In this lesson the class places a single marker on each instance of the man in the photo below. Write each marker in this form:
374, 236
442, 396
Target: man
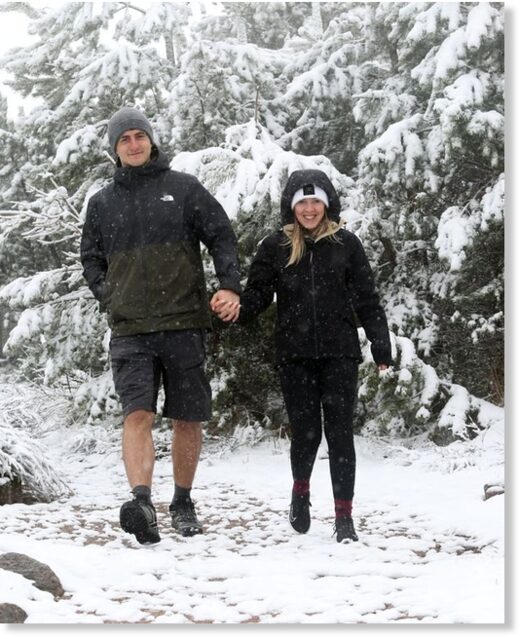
140, 251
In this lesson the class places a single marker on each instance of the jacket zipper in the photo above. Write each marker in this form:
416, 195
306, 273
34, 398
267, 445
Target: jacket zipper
143, 261
313, 295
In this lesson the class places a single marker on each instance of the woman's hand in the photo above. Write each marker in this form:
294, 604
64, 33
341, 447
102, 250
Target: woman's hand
384, 370
226, 304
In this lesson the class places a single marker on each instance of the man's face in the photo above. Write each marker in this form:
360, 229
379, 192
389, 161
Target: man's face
134, 148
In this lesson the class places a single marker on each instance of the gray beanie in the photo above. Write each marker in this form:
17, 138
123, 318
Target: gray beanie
125, 119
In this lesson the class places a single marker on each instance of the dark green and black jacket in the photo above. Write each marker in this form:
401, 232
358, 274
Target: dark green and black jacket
140, 249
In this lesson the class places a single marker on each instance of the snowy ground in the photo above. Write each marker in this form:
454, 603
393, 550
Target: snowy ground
431, 550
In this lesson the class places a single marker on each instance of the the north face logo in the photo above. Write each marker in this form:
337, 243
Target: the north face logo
167, 198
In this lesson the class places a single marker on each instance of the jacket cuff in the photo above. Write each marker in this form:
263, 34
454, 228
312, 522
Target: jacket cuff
381, 355
231, 285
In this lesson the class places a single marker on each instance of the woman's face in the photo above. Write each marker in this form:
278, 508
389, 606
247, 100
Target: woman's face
309, 213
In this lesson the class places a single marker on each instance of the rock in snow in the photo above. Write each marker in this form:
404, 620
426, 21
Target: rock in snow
40, 574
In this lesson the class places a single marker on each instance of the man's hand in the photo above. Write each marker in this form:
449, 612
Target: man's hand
226, 304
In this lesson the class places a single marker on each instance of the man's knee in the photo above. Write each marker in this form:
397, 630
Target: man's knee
185, 426
139, 420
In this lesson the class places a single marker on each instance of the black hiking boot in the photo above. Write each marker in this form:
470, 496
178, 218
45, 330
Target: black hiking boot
184, 518
139, 518
345, 531
299, 515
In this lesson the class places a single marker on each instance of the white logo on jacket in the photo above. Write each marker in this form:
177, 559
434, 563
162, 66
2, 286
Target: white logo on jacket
167, 198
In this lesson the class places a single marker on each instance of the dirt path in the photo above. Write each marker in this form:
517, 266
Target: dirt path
249, 566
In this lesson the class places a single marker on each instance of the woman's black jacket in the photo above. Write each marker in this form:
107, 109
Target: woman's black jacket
318, 299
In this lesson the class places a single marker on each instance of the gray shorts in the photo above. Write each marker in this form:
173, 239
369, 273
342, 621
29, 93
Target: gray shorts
140, 363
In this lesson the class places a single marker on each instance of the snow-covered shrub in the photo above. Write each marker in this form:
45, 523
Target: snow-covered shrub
245, 387
100, 439
409, 399
249, 432
95, 398
24, 463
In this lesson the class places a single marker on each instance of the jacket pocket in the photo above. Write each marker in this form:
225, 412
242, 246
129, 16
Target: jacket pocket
176, 280
125, 290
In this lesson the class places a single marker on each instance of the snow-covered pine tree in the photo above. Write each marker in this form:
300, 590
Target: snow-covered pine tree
268, 24
83, 66
408, 71
321, 76
432, 165
9, 263
221, 84
471, 298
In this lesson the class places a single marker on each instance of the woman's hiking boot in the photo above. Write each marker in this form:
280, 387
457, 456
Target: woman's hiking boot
299, 515
345, 531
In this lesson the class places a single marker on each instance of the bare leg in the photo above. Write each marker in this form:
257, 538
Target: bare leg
138, 449
186, 446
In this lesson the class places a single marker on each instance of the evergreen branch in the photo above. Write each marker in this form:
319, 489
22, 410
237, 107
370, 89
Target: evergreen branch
107, 155
485, 168
71, 208
46, 242
20, 7
129, 5
79, 294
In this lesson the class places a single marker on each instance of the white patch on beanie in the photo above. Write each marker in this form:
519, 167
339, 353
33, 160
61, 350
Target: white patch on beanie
310, 191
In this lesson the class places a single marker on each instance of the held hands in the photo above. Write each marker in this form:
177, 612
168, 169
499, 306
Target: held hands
226, 304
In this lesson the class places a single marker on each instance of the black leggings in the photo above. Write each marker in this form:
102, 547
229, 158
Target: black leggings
308, 386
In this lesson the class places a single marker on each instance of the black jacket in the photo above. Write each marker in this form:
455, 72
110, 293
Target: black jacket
319, 298
140, 249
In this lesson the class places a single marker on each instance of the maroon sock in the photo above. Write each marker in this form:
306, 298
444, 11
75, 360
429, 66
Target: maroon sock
301, 487
343, 508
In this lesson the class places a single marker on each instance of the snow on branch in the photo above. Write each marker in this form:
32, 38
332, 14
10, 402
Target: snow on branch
483, 23
57, 340
454, 233
458, 226
95, 399
24, 292
23, 460
251, 169
51, 218
82, 142
395, 155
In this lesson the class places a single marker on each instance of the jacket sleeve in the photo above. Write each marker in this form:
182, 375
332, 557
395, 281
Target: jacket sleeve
261, 285
212, 226
368, 307
92, 253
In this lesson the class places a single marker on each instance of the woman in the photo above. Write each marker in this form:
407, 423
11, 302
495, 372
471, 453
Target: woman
323, 283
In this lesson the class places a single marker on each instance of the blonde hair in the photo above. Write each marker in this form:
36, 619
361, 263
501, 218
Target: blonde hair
296, 237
